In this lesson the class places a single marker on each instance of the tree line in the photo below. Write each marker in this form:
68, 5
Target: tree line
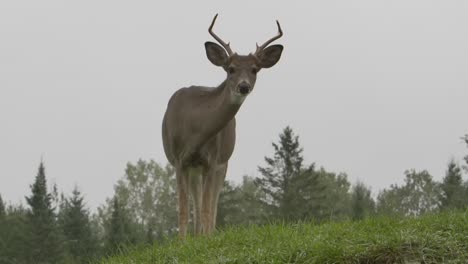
59, 228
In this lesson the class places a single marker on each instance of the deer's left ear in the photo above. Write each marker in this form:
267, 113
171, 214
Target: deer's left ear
270, 56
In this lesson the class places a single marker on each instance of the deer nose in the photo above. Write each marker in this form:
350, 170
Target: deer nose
244, 88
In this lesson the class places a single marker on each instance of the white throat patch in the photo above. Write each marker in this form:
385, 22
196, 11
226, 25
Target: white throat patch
237, 98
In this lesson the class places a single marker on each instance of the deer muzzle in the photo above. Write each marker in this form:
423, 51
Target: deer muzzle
244, 88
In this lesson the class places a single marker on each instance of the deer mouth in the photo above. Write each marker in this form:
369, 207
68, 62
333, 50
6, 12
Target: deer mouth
237, 97
241, 95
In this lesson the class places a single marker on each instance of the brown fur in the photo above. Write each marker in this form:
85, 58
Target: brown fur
199, 133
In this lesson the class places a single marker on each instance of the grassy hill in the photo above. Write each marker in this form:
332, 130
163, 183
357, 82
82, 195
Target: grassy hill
440, 238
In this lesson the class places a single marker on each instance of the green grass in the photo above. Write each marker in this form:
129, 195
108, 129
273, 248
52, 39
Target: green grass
439, 238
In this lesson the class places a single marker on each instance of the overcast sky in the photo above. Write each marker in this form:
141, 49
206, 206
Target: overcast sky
371, 87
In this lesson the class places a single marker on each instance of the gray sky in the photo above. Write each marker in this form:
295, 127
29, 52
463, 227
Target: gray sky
372, 87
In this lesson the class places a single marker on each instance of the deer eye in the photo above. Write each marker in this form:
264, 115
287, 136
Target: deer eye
231, 70
254, 70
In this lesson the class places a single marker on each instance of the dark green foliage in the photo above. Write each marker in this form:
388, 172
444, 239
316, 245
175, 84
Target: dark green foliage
434, 238
465, 138
335, 203
80, 240
143, 211
291, 190
45, 244
418, 196
421, 193
150, 237
2, 208
453, 191
119, 230
14, 236
147, 192
389, 201
227, 204
241, 204
279, 174
362, 204
308, 195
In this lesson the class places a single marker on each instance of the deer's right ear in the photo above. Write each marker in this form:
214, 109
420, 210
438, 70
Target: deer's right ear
216, 54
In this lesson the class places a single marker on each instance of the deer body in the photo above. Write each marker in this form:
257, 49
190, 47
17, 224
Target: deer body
210, 118
199, 134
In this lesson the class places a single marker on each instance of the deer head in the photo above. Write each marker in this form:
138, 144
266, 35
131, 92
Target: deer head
242, 69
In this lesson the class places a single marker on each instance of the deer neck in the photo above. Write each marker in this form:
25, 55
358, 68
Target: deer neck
221, 111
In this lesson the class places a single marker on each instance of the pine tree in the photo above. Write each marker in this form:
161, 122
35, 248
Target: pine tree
150, 237
278, 174
289, 187
2, 208
452, 188
465, 138
14, 236
119, 231
389, 201
148, 192
81, 242
45, 244
241, 204
361, 202
228, 204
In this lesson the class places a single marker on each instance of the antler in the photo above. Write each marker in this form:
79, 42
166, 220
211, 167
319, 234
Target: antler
280, 34
225, 45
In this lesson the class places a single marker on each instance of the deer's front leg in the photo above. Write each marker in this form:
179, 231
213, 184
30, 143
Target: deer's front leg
209, 187
220, 176
183, 199
196, 183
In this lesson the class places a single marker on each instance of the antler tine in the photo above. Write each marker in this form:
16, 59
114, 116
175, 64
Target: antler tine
224, 44
280, 34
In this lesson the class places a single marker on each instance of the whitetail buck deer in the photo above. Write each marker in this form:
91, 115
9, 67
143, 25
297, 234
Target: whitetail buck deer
199, 129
